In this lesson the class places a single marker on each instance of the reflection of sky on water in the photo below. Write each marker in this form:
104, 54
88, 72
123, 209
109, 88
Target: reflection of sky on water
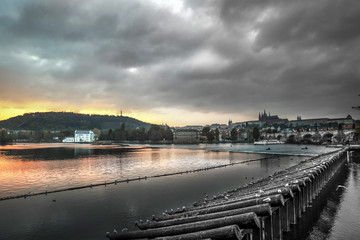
347, 224
89, 213
38, 167
283, 149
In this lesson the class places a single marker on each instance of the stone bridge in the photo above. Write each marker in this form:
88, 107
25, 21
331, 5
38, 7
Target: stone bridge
330, 136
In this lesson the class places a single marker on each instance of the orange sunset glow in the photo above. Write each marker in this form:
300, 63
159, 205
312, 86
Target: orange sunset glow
170, 116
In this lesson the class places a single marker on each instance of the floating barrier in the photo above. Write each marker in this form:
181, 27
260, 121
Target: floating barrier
128, 180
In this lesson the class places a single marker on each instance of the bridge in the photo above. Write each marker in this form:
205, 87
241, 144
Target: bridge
268, 208
329, 136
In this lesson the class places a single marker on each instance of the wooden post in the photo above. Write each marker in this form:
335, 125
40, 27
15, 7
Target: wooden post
259, 210
268, 228
274, 200
310, 191
228, 232
304, 198
292, 208
285, 212
249, 220
276, 223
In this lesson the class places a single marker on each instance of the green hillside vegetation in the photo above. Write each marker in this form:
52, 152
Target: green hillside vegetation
5, 137
67, 121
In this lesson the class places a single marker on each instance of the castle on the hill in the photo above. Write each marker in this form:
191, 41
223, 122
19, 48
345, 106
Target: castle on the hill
264, 117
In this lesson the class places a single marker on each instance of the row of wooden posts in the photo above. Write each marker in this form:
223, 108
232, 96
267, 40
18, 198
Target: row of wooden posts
263, 209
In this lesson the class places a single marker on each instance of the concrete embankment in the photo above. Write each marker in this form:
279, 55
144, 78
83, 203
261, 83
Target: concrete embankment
263, 209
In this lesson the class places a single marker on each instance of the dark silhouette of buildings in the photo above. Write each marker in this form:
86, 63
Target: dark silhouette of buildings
264, 117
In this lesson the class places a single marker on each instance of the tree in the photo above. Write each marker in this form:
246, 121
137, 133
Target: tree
217, 132
256, 133
156, 133
61, 136
122, 133
97, 132
206, 130
223, 136
234, 134
110, 135
141, 134
210, 136
168, 134
5, 138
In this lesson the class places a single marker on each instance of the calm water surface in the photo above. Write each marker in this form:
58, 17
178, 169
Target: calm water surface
347, 217
89, 213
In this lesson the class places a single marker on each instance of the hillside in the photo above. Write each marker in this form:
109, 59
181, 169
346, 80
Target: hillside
55, 121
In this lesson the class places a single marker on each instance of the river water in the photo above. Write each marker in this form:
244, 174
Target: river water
89, 213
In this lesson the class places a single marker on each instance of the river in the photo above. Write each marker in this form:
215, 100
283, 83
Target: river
89, 213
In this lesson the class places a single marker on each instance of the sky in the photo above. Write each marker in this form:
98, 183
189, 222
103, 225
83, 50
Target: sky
181, 62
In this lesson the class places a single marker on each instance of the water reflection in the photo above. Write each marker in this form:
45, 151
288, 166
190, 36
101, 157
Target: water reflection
282, 149
89, 213
346, 225
38, 167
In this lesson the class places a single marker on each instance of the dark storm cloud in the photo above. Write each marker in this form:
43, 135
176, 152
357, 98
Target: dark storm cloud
291, 57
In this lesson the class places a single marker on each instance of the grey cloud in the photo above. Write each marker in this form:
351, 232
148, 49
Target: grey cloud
304, 58
312, 24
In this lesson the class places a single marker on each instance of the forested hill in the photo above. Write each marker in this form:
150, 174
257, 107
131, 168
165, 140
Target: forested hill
53, 121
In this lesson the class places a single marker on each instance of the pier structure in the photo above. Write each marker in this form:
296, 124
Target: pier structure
267, 208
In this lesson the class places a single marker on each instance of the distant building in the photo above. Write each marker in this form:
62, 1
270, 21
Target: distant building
215, 126
248, 124
264, 117
84, 136
348, 121
196, 127
322, 122
184, 136
68, 140
267, 118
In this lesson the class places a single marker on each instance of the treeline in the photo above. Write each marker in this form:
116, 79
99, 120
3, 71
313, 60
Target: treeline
155, 133
214, 135
5, 137
40, 136
61, 121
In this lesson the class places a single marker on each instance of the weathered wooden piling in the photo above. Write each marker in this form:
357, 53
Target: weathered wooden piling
228, 232
274, 200
267, 207
247, 221
259, 210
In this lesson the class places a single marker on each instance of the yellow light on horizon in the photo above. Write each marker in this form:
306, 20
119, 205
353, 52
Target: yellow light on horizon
170, 116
